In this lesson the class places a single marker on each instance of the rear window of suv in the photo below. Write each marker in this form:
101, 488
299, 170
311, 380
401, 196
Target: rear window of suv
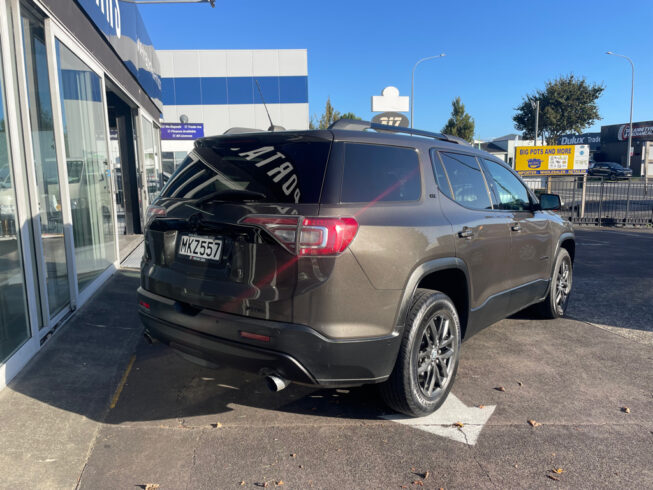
375, 173
283, 167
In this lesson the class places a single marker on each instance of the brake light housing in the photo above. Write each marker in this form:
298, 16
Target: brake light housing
308, 236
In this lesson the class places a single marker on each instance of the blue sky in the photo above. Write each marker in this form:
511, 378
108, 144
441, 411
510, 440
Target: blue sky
496, 51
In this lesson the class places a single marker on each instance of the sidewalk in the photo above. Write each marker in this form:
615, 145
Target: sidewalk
50, 413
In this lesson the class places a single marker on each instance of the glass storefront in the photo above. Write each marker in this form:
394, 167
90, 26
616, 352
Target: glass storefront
14, 325
87, 162
48, 193
58, 189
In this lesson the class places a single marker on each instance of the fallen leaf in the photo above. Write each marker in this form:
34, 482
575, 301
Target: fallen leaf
557, 470
533, 423
419, 483
293, 455
426, 475
279, 483
553, 477
404, 486
242, 483
500, 388
216, 426
151, 486
413, 469
459, 424
301, 466
520, 383
481, 406
625, 409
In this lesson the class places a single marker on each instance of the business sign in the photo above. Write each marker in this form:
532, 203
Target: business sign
619, 132
591, 139
390, 100
391, 119
123, 27
552, 160
181, 131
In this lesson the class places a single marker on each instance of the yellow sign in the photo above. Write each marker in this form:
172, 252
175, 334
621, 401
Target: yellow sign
552, 160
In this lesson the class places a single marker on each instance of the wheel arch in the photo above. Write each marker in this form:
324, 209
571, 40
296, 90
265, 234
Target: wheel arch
447, 275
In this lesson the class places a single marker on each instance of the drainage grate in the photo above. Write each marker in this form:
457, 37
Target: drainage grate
133, 260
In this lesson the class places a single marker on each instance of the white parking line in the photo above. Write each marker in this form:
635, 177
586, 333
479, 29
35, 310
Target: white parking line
453, 420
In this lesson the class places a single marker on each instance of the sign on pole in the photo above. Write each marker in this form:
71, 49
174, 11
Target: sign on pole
552, 160
391, 119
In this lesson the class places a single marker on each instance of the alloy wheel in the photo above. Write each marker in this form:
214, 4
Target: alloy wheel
436, 356
563, 285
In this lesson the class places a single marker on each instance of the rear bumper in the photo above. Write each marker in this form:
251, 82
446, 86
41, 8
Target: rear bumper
296, 352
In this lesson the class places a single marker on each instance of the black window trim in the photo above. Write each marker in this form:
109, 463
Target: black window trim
481, 168
342, 176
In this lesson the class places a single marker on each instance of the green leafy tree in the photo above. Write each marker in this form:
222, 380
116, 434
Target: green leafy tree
567, 104
329, 116
460, 123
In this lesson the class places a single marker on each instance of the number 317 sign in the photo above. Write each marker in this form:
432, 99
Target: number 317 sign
391, 119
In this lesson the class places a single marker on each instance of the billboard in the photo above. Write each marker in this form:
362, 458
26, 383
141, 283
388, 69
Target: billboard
552, 160
591, 139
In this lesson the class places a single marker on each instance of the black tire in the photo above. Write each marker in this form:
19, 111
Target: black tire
613, 177
407, 391
554, 306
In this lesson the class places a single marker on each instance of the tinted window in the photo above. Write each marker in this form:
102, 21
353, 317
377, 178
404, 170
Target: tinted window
286, 168
380, 173
440, 175
467, 182
509, 191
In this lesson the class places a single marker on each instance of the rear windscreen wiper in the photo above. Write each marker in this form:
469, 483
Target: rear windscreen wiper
230, 195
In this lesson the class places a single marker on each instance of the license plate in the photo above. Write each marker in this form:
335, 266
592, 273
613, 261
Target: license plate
200, 247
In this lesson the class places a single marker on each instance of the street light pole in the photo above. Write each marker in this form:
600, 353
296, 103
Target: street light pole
536, 105
632, 93
412, 83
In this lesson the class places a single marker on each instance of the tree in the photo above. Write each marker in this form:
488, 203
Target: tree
329, 116
460, 123
567, 104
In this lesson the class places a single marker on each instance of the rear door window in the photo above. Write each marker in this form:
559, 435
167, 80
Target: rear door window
282, 168
509, 191
380, 173
467, 180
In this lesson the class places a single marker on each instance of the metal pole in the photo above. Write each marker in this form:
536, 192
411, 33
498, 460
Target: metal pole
537, 119
412, 84
632, 95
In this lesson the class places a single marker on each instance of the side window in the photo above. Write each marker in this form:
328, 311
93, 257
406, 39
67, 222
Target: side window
440, 175
380, 173
510, 192
467, 182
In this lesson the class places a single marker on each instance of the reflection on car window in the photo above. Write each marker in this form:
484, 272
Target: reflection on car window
440, 175
380, 173
509, 191
467, 182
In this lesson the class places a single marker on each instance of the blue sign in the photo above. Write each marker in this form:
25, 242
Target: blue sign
534, 163
180, 131
122, 25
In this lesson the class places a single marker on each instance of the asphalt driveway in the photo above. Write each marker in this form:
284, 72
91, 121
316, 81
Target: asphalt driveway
127, 414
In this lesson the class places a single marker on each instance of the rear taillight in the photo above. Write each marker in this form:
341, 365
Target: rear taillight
309, 236
154, 211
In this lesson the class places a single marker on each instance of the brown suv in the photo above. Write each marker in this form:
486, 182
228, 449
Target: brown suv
343, 257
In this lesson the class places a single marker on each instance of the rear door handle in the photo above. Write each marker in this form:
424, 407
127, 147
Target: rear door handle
466, 233
515, 227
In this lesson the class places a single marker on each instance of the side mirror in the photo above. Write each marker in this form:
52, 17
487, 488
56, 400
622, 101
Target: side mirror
550, 202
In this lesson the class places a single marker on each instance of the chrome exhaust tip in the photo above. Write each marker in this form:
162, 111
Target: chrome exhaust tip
276, 383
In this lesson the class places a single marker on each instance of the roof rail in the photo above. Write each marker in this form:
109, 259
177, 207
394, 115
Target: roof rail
357, 125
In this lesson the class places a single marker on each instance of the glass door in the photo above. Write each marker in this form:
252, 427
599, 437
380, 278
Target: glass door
51, 246
85, 145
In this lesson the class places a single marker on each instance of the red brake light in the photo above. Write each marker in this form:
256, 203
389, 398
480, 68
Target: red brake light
326, 236
317, 236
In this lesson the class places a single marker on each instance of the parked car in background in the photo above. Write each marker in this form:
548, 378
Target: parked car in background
343, 257
610, 170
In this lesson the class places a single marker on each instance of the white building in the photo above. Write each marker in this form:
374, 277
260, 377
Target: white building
218, 89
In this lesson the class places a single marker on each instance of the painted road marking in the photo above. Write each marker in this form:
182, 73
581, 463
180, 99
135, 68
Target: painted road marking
121, 385
442, 422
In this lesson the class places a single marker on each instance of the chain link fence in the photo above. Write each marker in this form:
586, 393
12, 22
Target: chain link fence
603, 202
